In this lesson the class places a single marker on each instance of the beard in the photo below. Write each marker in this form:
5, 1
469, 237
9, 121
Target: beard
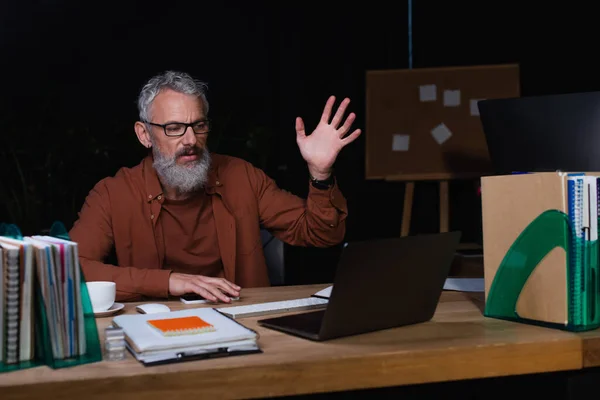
185, 179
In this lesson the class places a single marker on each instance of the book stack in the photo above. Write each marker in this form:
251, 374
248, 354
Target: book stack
191, 334
45, 311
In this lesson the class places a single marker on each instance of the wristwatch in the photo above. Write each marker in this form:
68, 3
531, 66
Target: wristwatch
324, 184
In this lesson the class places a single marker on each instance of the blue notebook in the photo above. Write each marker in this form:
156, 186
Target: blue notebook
583, 253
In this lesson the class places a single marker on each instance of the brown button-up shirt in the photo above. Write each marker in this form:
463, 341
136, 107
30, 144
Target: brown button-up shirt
124, 212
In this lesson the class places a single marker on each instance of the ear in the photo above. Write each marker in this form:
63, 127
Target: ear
142, 134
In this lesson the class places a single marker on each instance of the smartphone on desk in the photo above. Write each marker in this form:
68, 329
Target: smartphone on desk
194, 298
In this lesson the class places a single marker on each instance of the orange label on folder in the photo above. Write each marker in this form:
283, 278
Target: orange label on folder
181, 326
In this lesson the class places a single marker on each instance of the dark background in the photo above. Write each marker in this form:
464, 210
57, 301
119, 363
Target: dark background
72, 70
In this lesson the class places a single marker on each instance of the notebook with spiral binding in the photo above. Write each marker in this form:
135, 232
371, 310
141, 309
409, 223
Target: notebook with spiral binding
541, 249
185, 334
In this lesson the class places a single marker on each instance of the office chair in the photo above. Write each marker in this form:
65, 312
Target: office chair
273, 249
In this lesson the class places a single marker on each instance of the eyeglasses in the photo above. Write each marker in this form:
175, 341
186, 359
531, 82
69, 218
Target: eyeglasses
179, 128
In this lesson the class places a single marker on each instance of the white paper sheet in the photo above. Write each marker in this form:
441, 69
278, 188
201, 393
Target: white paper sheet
400, 142
428, 93
441, 133
465, 284
451, 98
325, 292
473, 107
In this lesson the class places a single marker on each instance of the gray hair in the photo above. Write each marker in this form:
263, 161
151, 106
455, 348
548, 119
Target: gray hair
177, 81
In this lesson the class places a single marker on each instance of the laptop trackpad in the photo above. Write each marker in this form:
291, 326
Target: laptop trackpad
308, 322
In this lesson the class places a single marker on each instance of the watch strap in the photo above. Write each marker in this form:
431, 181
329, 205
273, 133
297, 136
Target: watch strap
322, 184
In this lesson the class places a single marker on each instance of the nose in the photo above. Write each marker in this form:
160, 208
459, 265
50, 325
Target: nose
189, 137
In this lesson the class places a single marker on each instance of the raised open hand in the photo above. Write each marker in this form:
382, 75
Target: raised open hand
321, 148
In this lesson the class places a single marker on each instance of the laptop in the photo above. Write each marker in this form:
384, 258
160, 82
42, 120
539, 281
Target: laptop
379, 284
543, 133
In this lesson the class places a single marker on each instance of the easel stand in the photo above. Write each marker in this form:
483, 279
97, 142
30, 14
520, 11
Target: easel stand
444, 198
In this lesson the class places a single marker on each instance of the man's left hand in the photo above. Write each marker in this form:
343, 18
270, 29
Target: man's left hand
321, 148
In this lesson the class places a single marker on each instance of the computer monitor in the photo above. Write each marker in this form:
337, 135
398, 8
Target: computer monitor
543, 133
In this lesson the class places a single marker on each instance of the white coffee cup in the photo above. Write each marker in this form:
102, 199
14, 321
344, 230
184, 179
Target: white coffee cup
102, 294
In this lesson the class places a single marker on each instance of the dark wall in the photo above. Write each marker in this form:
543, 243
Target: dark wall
71, 72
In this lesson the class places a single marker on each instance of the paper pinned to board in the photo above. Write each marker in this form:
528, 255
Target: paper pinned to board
400, 142
441, 133
465, 284
473, 107
451, 98
428, 93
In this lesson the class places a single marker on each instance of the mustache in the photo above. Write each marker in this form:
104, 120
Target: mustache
189, 151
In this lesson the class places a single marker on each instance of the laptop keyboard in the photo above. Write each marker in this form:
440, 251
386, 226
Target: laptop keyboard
274, 307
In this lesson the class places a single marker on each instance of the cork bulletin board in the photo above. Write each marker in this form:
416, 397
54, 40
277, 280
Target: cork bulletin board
424, 123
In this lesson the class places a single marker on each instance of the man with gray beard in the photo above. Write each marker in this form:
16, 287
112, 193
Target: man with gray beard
188, 221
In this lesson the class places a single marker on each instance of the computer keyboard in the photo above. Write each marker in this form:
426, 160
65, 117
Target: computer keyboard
274, 307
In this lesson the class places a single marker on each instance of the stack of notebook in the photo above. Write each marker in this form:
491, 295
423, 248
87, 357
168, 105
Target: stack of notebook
582, 197
47, 266
185, 335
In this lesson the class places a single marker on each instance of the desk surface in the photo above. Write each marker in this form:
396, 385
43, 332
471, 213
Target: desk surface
458, 343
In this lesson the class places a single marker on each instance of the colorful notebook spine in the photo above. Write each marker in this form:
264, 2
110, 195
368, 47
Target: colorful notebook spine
582, 268
575, 259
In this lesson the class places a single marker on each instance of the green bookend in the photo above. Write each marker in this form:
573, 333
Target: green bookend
549, 230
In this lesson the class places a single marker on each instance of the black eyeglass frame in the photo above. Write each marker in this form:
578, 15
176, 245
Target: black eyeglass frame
186, 125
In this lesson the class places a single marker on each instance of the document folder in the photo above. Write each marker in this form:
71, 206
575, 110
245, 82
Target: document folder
152, 346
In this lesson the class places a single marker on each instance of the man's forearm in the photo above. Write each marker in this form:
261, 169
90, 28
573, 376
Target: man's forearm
132, 283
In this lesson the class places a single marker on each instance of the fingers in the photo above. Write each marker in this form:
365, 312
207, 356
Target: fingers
347, 124
217, 293
226, 286
327, 110
337, 118
206, 291
351, 137
300, 127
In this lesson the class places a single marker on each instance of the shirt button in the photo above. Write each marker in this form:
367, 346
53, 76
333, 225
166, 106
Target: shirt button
149, 196
331, 225
159, 197
152, 216
218, 183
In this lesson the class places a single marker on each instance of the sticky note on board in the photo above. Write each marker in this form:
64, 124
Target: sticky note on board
441, 133
451, 98
400, 142
474, 108
428, 93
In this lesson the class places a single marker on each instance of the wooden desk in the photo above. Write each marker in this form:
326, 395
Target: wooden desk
459, 343
591, 348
